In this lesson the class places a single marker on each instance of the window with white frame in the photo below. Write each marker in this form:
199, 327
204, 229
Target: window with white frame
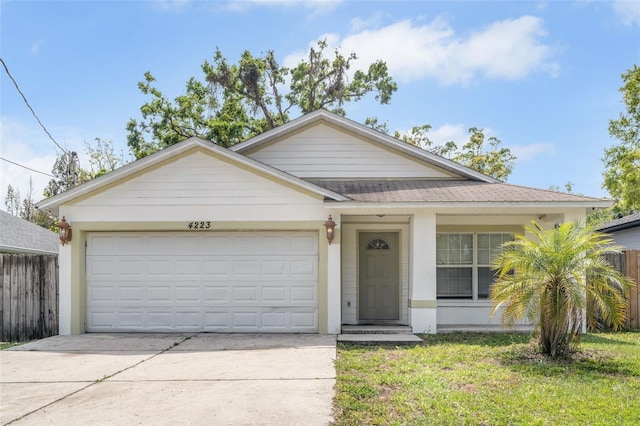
464, 263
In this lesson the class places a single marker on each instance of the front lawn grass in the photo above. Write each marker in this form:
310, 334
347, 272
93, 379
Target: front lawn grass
5, 345
490, 379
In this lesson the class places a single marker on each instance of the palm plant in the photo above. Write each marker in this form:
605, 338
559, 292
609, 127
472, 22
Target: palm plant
547, 277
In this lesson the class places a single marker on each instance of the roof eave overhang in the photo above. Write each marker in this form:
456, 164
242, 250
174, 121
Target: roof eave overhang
53, 203
621, 227
15, 249
468, 205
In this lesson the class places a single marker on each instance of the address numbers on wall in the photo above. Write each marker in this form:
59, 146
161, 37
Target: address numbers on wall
199, 225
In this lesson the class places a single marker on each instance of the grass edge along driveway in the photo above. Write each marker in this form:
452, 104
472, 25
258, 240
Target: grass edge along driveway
490, 379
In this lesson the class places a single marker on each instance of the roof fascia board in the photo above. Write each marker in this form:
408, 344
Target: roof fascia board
367, 133
468, 205
16, 249
621, 227
172, 151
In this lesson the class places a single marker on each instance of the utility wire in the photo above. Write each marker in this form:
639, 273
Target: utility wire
28, 168
31, 109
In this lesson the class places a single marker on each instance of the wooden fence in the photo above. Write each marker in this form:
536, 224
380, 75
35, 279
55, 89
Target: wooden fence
632, 258
628, 263
28, 296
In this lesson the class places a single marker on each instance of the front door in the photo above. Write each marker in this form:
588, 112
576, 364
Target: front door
379, 283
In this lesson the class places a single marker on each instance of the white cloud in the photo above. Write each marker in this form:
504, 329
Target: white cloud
510, 49
35, 48
449, 132
171, 5
317, 7
358, 23
527, 153
628, 12
460, 135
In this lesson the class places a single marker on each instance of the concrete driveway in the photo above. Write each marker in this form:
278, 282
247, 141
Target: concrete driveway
162, 379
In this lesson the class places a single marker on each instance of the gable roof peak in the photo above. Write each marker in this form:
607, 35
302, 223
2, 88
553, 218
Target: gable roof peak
365, 132
170, 152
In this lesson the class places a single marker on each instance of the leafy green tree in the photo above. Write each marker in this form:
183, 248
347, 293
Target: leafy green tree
242, 100
494, 161
103, 158
320, 82
12, 201
546, 279
622, 161
68, 172
25, 207
568, 188
418, 136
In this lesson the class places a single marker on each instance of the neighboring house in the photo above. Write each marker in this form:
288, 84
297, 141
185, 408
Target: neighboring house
20, 236
624, 230
197, 237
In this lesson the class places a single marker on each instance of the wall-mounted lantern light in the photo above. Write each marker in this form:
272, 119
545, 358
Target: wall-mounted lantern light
330, 225
64, 229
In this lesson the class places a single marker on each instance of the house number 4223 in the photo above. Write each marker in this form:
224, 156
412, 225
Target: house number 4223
199, 225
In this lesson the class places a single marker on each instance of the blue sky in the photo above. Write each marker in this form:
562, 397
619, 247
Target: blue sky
543, 77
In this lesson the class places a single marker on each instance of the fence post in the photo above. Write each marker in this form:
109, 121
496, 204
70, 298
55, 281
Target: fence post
632, 258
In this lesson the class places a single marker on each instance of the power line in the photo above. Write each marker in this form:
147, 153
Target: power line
31, 109
28, 168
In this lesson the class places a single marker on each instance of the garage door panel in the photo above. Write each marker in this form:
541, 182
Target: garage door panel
131, 244
102, 296
132, 294
305, 268
254, 281
244, 294
304, 320
275, 294
244, 268
188, 294
105, 244
216, 294
102, 320
216, 321
304, 244
303, 294
217, 268
187, 320
187, 267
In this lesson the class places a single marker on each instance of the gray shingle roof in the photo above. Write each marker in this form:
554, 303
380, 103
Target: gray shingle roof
624, 222
20, 236
444, 191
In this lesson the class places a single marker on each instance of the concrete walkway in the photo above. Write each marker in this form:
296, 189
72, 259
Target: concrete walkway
169, 379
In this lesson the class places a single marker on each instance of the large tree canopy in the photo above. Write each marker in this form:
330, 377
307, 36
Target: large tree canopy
622, 161
238, 101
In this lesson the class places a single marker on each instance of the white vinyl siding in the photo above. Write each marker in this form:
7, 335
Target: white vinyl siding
199, 179
628, 238
322, 151
202, 281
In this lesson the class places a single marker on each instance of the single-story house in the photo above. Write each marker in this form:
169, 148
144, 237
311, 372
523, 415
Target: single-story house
23, 237
624, 230
197, 237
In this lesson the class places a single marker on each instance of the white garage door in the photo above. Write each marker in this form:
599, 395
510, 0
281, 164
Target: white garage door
205, 281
